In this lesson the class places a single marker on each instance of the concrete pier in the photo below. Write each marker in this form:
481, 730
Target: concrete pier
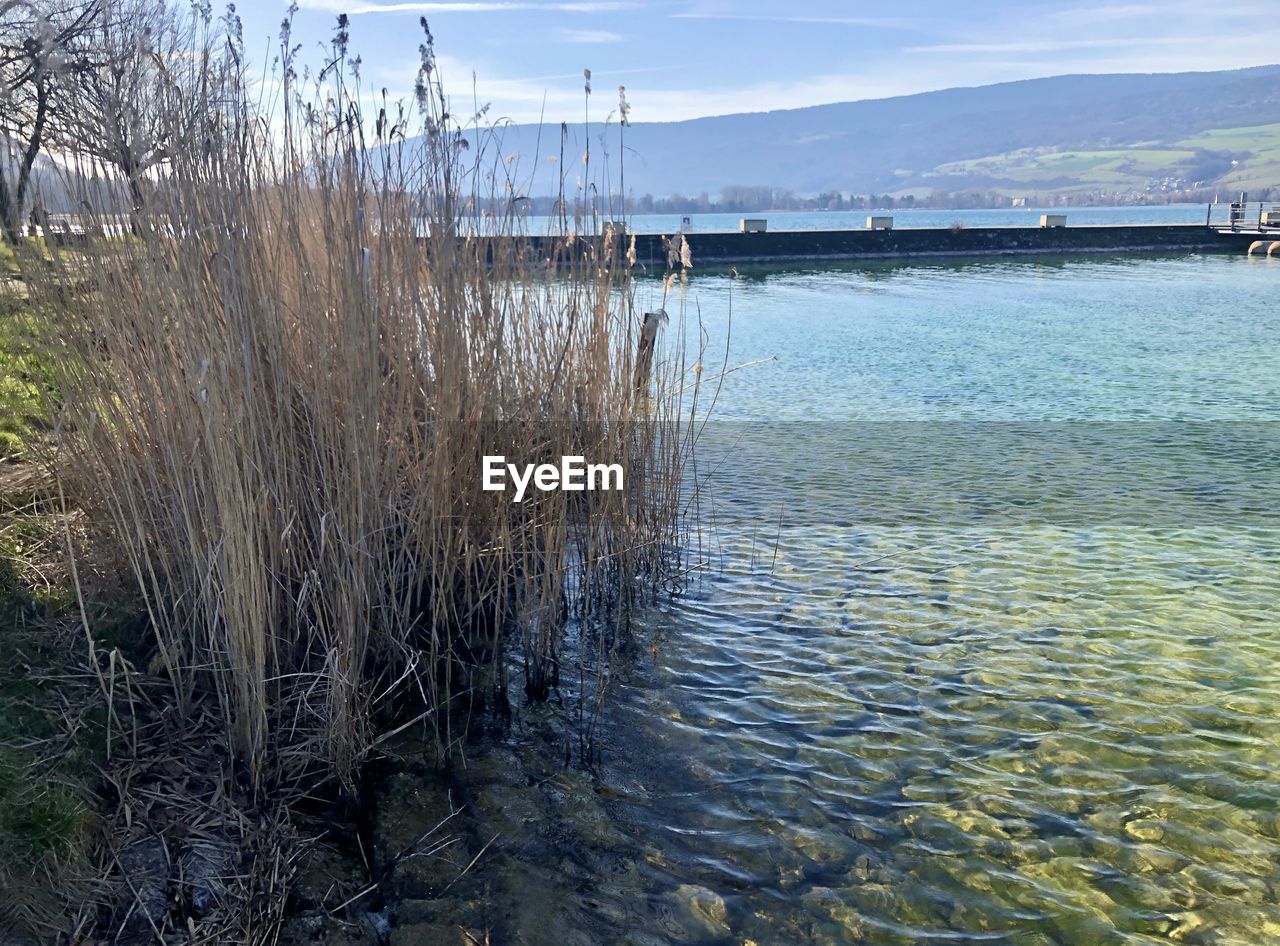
726, 249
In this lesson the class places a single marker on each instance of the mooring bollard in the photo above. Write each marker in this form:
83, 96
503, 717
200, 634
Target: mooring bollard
644, 352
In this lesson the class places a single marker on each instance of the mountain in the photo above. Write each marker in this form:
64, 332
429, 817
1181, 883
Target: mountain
1075, 132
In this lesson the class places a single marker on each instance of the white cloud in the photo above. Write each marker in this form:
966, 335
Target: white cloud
356, 7
872, 21
589, 36
1087, 16
555, 98
558, 98
1191, 31
1043, 45
1033, 43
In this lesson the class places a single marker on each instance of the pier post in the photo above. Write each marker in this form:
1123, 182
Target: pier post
644, 352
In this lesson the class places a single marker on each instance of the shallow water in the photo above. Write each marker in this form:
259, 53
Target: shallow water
985, 647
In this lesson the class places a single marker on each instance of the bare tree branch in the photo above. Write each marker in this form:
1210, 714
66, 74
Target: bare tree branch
36, 37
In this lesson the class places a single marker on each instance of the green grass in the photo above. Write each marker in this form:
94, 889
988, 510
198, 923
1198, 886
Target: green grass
1089, 170
1255, 138
1261, 145
48, 753
1257, 150
23, 383
9, 258
50, 734
43, 809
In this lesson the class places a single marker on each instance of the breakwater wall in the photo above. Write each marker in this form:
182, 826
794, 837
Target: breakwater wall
655, 251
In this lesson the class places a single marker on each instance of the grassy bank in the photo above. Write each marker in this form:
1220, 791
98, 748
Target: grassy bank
22, 379
51, 728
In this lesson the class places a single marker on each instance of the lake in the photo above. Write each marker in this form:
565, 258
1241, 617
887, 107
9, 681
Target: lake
983, 648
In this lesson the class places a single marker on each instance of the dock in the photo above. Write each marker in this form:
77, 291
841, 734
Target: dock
660, 252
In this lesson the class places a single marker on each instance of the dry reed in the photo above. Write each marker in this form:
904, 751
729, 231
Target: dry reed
278, 393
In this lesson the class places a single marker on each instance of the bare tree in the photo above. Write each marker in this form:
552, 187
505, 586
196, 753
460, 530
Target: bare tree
36, 37
123, 106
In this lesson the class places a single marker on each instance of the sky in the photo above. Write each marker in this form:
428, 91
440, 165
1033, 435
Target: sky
683, 59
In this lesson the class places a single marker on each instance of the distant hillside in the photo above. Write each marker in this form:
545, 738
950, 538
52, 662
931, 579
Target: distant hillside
1057, 135
59, 189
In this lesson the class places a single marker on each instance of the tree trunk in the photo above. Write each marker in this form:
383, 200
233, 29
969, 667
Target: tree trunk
9, 213
12, 204
136, 197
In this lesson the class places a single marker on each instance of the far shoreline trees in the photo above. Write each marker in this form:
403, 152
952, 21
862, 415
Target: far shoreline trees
763, 199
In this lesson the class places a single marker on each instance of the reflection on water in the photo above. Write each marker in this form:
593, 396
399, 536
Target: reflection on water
1023, 688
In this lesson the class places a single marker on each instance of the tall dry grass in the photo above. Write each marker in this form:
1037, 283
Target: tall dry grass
277, 395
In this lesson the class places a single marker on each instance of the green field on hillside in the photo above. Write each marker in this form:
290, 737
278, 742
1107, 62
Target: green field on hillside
1207, 156
1262, 143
